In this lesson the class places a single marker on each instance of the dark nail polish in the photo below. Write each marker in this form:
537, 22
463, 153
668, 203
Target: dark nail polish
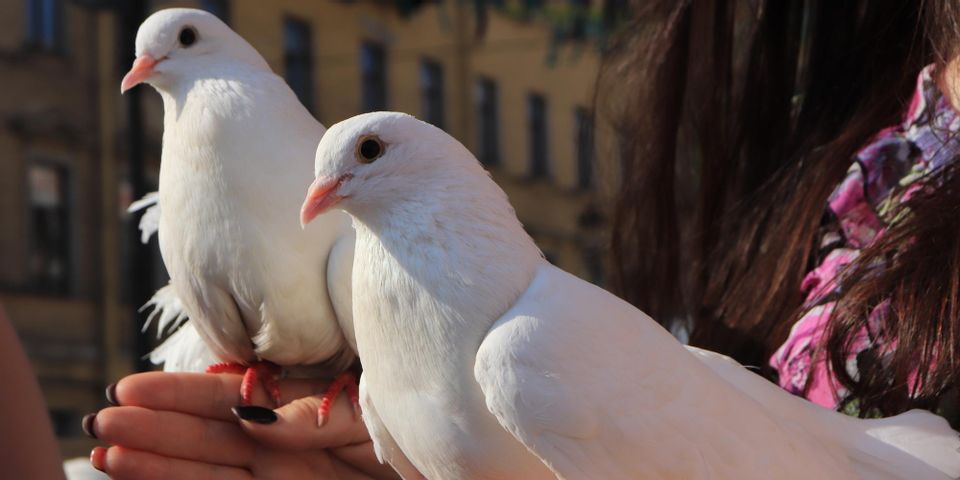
87, 424
112, 395
255, 414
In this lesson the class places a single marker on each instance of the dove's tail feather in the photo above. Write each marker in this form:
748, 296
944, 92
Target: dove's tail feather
895, 447
167, 309
150, 221
148, 200
922, 435
184, 351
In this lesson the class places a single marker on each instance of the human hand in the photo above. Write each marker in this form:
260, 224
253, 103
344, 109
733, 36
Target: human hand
179, 425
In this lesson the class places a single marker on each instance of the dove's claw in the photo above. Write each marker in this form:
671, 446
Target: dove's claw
272, 387
246, 386
263, 372
321, 417
346, 381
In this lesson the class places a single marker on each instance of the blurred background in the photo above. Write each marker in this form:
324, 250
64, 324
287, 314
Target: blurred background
512, 79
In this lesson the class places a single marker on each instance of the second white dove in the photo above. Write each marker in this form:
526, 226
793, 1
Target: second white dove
482, 360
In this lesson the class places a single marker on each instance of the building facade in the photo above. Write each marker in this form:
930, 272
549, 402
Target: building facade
516, 96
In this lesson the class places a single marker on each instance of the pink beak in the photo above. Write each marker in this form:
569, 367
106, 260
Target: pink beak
321, 196
141, 70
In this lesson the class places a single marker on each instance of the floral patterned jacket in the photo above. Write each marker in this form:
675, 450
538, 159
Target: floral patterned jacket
880, 177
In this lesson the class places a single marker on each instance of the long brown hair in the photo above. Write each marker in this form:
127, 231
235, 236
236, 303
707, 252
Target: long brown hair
735, 120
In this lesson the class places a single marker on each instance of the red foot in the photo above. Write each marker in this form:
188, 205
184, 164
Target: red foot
345, 381
265, 373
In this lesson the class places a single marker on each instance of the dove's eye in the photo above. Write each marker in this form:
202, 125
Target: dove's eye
369, 149
188, 36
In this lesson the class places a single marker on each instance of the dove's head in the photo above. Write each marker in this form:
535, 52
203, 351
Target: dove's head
178, 44
381, 158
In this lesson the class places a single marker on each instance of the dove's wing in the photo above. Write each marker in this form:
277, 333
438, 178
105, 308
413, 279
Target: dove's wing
917, 433
552, 372
384, 445
150, 220
215, 315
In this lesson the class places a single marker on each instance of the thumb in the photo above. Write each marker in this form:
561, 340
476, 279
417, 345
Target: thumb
294, 425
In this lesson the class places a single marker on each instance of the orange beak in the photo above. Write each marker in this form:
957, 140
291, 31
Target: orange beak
141, 70
321, 196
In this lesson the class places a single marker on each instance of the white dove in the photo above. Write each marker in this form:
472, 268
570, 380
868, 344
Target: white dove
481, 360
236, 147
183, 350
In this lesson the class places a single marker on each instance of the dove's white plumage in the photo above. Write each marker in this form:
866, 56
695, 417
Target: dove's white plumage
698, 424
481, 360
183, 350
150, 219
236, 148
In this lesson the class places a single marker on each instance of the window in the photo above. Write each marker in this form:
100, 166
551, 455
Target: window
580, 16
431, 92
49, 229
537, 125
488, 137
374, 77
297, 60
45, 24
530, 6
220, 8
583, 125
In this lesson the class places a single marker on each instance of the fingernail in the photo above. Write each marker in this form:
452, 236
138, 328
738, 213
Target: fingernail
87, 424
112, 395
255, 414
98, 458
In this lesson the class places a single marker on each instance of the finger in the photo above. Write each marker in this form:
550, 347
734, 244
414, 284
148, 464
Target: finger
174, 434
200, 394
296, 426
123, 463
362, 457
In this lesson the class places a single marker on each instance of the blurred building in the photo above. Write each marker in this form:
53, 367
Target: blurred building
519, 97
58, 254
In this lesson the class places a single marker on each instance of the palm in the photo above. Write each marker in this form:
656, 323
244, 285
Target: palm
180, 426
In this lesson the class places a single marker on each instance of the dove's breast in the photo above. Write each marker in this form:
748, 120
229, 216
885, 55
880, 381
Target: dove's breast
419, 376
447, 432
252, 280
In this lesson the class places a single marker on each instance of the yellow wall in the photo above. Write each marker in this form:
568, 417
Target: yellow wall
515, 54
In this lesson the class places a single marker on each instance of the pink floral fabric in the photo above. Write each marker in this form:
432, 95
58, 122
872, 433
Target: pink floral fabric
882, 175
